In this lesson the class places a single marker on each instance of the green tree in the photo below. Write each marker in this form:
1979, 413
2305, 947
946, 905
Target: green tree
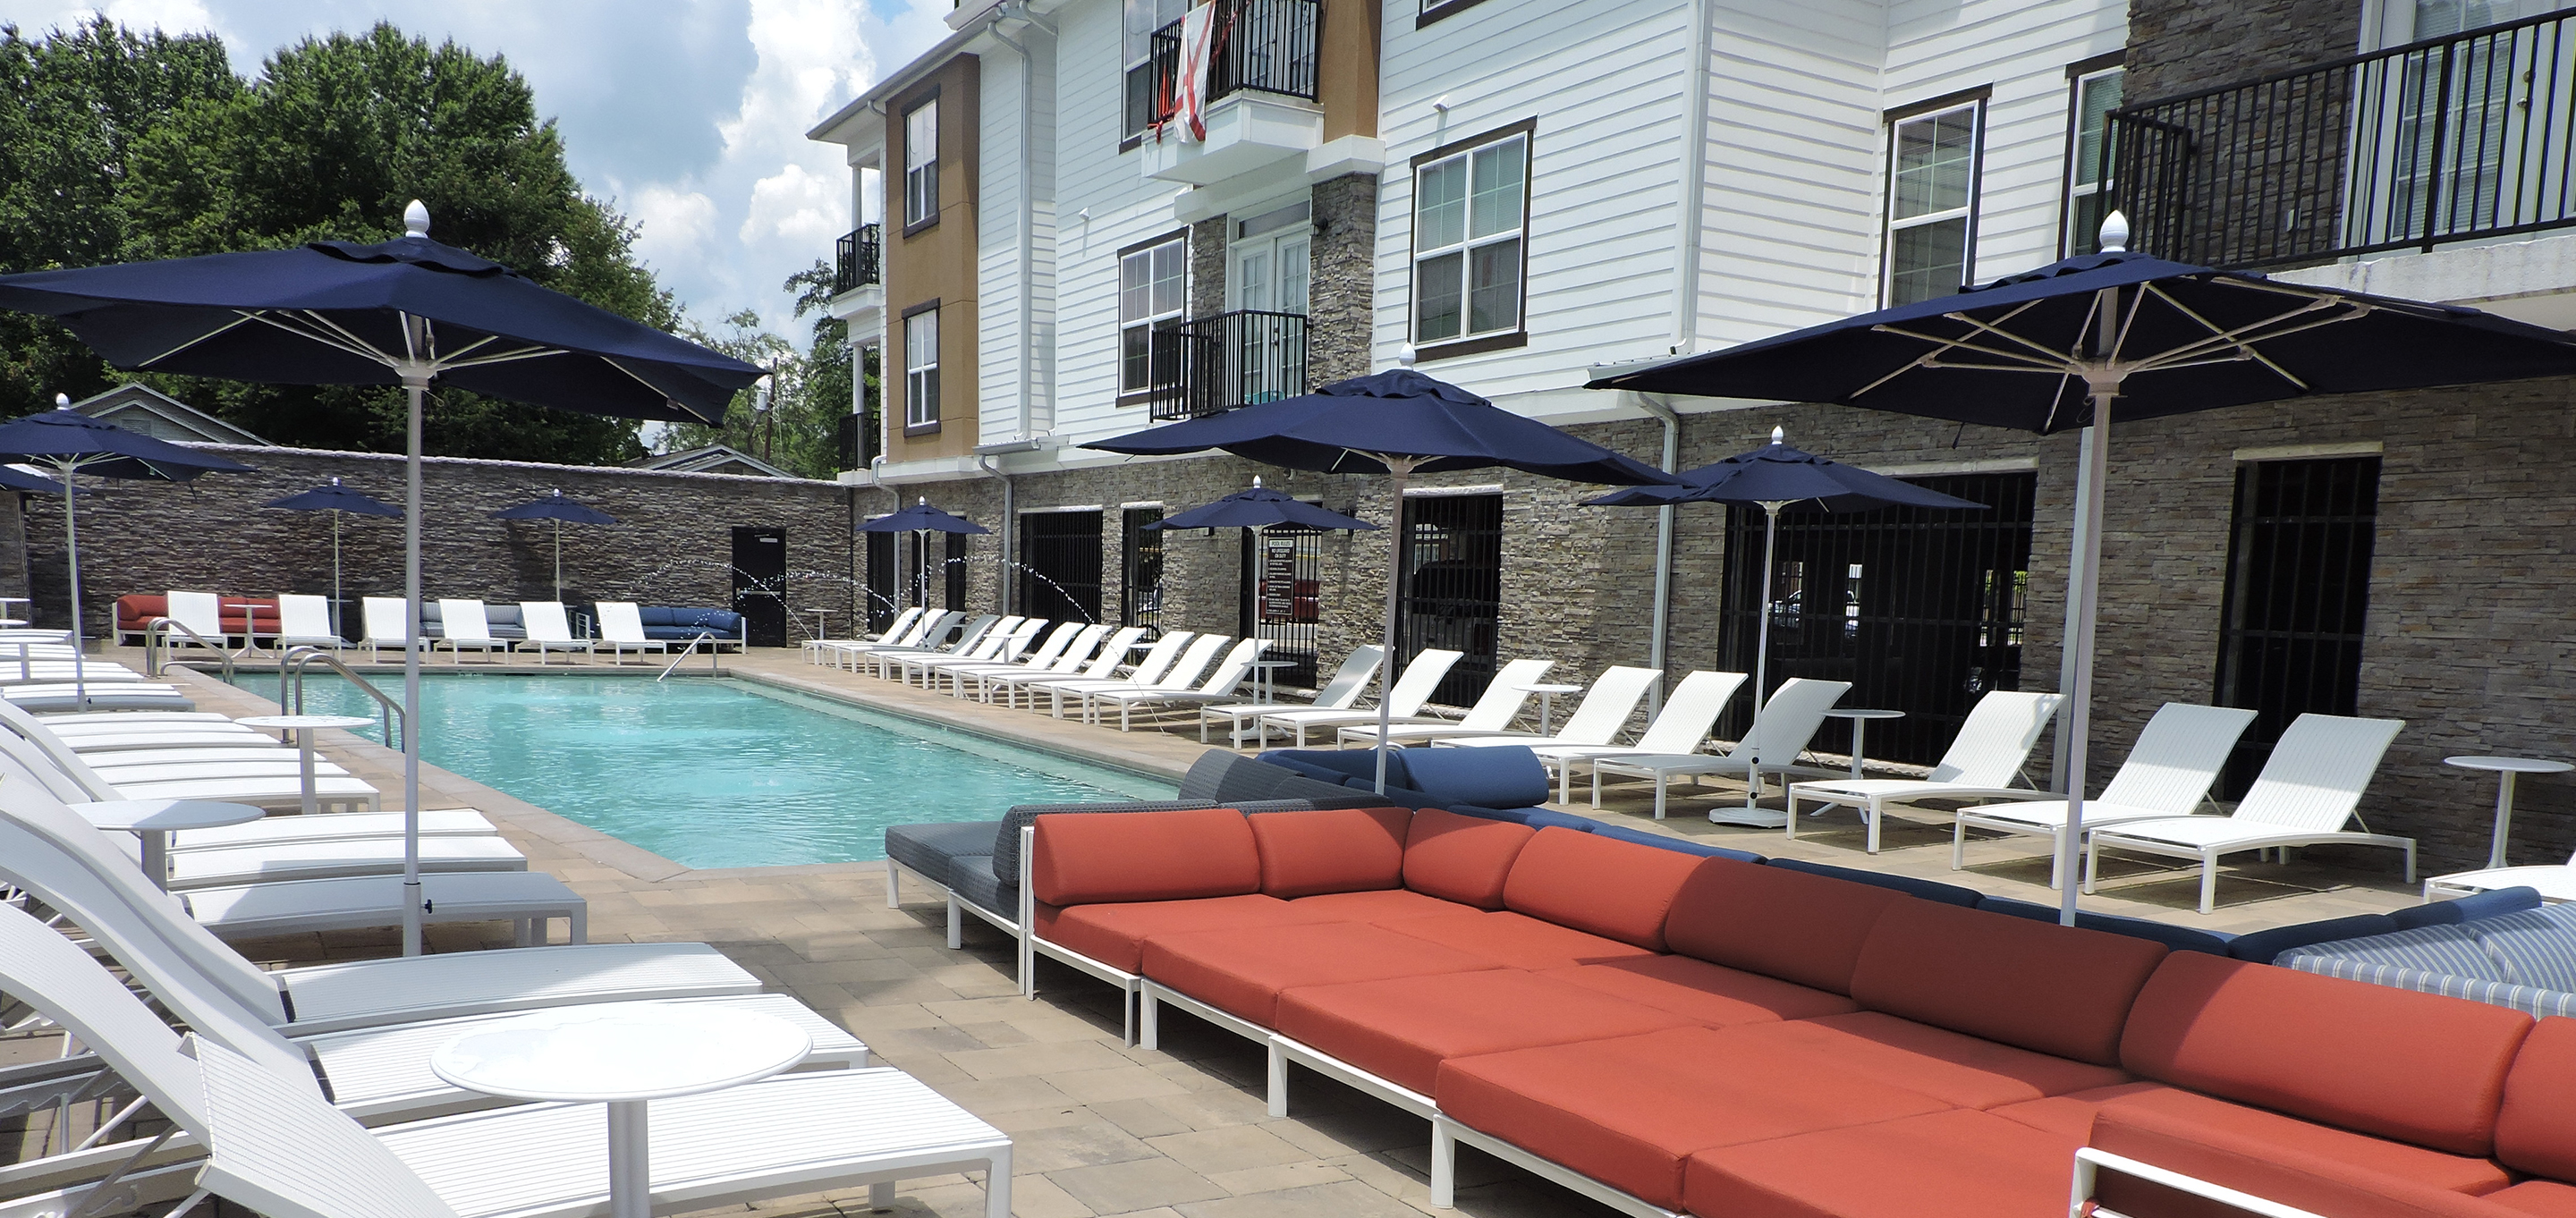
331, 141
809, 392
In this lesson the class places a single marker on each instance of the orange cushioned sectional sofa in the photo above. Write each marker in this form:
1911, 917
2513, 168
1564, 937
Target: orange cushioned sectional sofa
1672, 1033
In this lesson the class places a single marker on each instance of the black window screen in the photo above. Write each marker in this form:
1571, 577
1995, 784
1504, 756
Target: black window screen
881, 581
1140, 588
2298, 589
1920, 609
953, 573
1060, 565
1282, 597
1453, 588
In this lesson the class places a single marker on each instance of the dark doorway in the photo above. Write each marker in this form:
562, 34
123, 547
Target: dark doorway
1060, 554
1282, 597
1452, 588
1920, 609
880, 588
1140, 563
760, 584
953, 573
2298, 589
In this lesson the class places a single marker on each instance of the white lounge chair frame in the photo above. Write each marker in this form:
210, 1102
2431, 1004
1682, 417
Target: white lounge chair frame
550, 630
1680, 727
2168, 772
1779, 735
1342, 692
1597, 720
304, 620
1495, 710
1404, 700
1980, 764
388, 621
1224, 683
621, 630
463, 624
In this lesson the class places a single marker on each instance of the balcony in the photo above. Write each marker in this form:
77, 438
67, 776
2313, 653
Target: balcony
2442, 141
1213, 364
854, 260
1260, 105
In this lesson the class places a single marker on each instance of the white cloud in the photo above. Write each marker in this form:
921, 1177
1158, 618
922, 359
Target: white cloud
673, 226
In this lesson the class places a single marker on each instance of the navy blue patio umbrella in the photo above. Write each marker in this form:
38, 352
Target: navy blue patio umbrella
556, 508
2131, 337
921, 520
336, 499
69, 442
14, 479
1399, 423
408, 312
1259, 508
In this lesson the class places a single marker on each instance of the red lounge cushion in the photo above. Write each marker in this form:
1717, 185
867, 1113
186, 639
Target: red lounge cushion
2419, 1068
1629, 1111
1143, 856
2048, 988
1617, 889
1393, 904
1786, 924
1948, 1066
1115, 934
1516, 940
1346, 850
2534, 1132
2282, 1158
1243, 971
134, 609
1712, 994
2546, 1198
2071, 1114
1402, 1029
1940, 1165
1461, 858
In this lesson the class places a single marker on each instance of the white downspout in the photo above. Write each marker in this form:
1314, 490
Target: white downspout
1026, 222
1693, 158
1663, 550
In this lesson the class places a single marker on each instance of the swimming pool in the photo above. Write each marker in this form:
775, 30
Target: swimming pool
722, 773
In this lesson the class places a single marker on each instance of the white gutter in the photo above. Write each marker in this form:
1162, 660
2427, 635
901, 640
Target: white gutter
1694, 185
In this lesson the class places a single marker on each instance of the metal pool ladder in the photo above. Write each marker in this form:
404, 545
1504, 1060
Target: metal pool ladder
290, 686
715, 666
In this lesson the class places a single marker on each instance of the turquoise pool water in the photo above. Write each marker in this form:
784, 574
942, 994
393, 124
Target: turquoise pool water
721, 773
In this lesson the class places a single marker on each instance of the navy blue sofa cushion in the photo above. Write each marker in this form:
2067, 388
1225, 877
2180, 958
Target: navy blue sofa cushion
928, 849
1500, 777
2179, 938
1664, 841
1340, 764
2263, 945
1929, 890
1227, 778
670, 622
1536, 818
2490, 904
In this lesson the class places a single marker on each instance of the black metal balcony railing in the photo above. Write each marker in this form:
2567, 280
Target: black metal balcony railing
857, 439
1214, 364
1260, 46
854, 259
2448, 139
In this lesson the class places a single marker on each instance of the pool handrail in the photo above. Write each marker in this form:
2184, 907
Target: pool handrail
715, 663
290, 686
155, 634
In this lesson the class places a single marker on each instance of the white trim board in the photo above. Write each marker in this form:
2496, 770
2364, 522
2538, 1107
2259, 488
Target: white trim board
2310, 452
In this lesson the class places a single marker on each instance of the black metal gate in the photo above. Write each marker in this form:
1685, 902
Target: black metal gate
1140, 568
760, 584
2298, 590
1282, 597
1060, 565
953, 573
1920, 609
1453, 588
916, 578
879, 593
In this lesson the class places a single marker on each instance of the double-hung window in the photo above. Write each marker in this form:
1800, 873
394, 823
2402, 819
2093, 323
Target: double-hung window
1149, 81
921, 368
921, 164
2088, 158
1470, 233
1931, 202
1153, 282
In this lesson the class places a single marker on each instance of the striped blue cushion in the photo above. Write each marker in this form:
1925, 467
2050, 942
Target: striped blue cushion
2529, 1000
2536, 947
2451, 950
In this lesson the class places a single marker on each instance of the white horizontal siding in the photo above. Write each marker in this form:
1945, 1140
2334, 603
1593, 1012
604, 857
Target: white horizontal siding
1000, 279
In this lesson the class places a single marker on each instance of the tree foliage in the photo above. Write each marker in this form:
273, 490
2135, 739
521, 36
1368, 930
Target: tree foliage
808, 394
127, 146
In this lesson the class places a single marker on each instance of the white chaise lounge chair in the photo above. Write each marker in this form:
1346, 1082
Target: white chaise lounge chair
260, 780
1226, 682
550, 630
1341, 693
925, 626
1150, 667
1679, 727
621, 630
818, 650
1404, 699
201, 612
2168, 771
1049, 650
2304, 796
1596, 721
1981, 763
1182, 677
1771, 746
462, 624
882, 661
305, 621
1494, 711
388, 622
1113, 652
992, 644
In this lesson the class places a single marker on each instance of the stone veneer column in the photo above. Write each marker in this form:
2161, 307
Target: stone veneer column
1207, 266
1341, 292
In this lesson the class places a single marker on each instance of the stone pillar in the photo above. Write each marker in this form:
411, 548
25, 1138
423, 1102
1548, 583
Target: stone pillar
1341, 293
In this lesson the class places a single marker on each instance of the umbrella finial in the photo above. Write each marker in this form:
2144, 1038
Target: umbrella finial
416, 219
923, 501
335, 479
1779, 435
558, 492
62, 401
2115, 234
1256, 482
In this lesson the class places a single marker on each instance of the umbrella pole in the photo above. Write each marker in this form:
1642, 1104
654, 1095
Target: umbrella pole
559, 560
1397, 468
335, 570
71, 556
415, 384
2087, 589
1762, 633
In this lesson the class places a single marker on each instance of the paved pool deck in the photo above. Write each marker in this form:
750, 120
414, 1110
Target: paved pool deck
1103, 1129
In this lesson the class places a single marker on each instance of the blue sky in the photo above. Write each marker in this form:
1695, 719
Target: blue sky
688, 115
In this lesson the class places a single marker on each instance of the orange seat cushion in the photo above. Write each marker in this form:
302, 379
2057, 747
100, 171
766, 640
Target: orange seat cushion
1702, 992
1115, 934
1242, 971
1342, 850
2071, 1114
1780, 923
2546, 1198
2418, 1068
1954, 1164
2281, 1158
1953, 1067
1615, 889
1630, 1111
1517, 940
2534, 1132
1088, 858
1462, 858
2048, 988
1403, 1028
1385, 905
